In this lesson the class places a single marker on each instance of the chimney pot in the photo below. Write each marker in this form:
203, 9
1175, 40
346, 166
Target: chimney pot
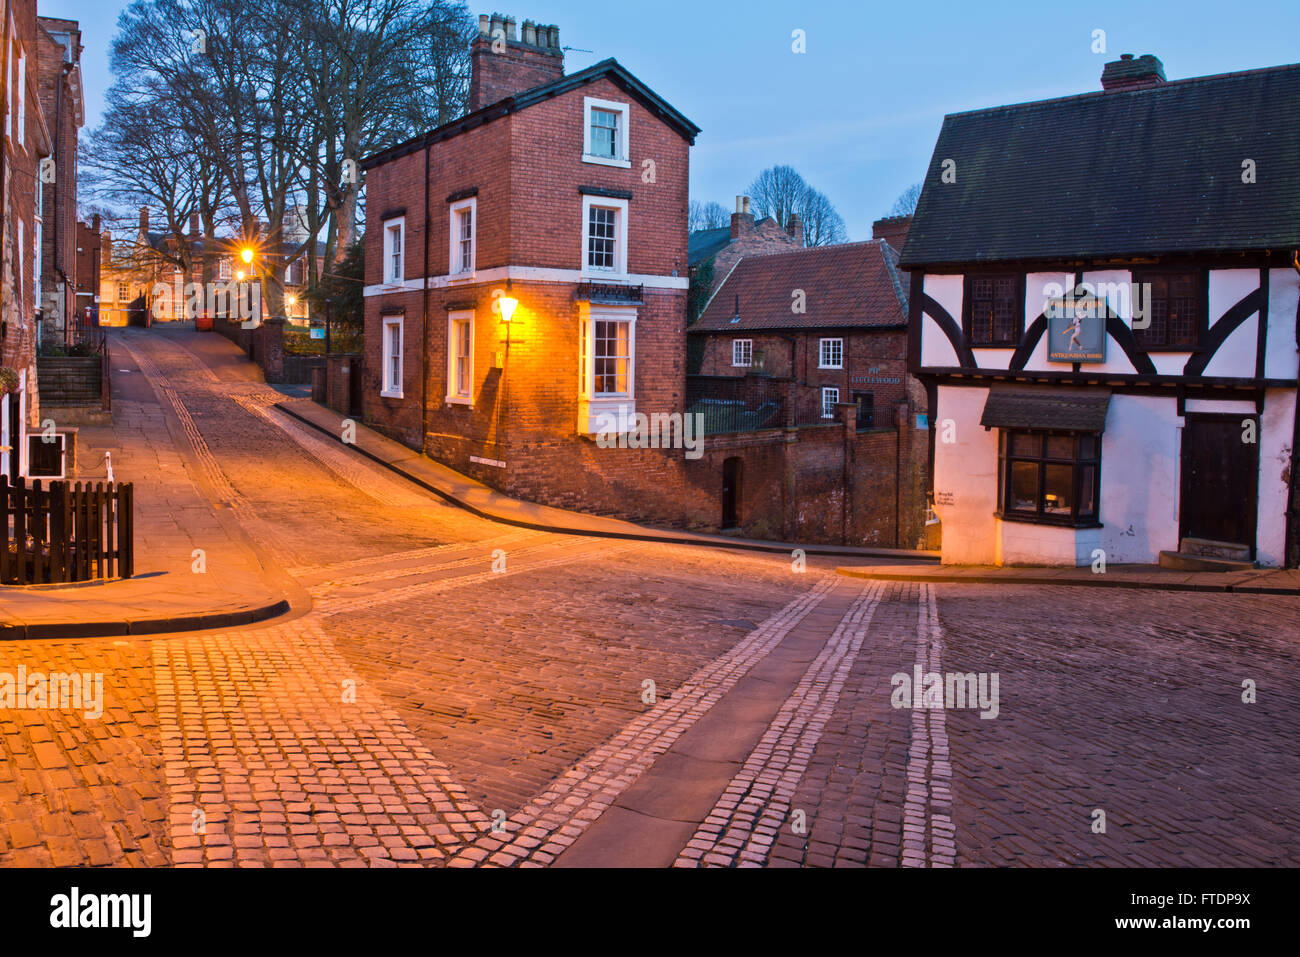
530, 33
484, 24
511, 34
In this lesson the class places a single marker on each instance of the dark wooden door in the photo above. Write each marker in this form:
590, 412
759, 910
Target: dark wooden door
1220, 478
731, 478
13, 433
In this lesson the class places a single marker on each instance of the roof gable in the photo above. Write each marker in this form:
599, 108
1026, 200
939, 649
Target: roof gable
1119, 173
609, 69
844, 286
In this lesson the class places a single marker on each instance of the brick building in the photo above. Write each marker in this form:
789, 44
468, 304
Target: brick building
526, 303
59, 76
89, 253
713, 252
833, 319
25, 142
815, 338
568, 197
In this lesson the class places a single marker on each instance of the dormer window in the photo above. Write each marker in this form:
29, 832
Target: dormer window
605, 135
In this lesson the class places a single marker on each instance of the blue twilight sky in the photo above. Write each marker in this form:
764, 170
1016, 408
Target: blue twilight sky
857, 113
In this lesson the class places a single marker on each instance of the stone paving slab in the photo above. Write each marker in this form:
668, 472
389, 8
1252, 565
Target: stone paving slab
1262, 581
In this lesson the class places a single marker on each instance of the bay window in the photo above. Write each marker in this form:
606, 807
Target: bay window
1051, 478
606, 365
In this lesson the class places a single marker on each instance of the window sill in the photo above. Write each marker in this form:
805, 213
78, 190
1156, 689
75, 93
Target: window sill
460, 400
606, 161
392, 285
832, 368
460, 277
389, 394
590, 274
1050, 522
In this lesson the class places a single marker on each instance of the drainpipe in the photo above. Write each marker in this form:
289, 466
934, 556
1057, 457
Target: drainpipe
424, 322
1292, 531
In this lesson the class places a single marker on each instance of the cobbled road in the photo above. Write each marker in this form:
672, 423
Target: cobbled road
464, 693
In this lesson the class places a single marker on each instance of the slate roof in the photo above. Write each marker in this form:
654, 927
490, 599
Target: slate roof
705, 243
1124, 172
852, 284
1010, 407
609, 69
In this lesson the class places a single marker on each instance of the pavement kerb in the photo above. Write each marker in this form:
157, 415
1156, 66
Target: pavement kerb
203, 621
1097, 581
668, 538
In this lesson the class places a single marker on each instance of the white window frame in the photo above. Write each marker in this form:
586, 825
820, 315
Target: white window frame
396, 223
22, 264
123, 291
822, 346
9, 77
392, 326
454, 270
22, 98
622, 157
223, 270
829, 403
455, 319
38, 233
595, 408
620, 237
742, 349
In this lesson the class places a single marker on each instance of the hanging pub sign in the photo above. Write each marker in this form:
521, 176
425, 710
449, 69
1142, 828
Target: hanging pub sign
1076, 328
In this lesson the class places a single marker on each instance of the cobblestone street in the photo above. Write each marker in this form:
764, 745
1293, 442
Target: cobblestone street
466, 693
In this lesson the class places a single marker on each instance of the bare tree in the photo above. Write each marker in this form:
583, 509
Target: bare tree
822, 225
780, 192
905, 205
709, 215
777, 192
276, 101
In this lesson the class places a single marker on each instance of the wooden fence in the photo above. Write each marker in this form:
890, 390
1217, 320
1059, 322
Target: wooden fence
68, 532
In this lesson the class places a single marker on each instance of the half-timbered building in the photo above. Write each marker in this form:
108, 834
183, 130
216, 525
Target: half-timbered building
1104, 308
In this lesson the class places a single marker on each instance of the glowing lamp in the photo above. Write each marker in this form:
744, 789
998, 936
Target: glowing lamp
246, 254
508, 304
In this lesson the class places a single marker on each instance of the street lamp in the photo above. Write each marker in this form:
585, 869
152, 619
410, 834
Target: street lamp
246, 254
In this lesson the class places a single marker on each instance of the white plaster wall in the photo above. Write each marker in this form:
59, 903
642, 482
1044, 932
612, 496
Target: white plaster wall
993, 358
965, 471
1280, 359
1035, 303
936, 350
1169, 363
1024, 543
1275, 435
1139, 478
1236, 357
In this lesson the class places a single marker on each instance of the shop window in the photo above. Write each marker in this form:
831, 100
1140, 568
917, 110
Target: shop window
1050, 477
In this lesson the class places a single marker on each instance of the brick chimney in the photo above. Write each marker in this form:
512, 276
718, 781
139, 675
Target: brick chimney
742, 220
502, 64
144, 219
1128, 73
794, 226
892, 229
194, 224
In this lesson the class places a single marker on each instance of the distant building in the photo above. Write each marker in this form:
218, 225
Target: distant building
59, 49
26, 141
713, 252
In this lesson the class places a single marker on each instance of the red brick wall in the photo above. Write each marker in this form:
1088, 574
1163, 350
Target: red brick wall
59, 211
517, 67
869, 357
18, 348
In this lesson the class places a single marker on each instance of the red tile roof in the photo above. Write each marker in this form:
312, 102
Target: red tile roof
853, 284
